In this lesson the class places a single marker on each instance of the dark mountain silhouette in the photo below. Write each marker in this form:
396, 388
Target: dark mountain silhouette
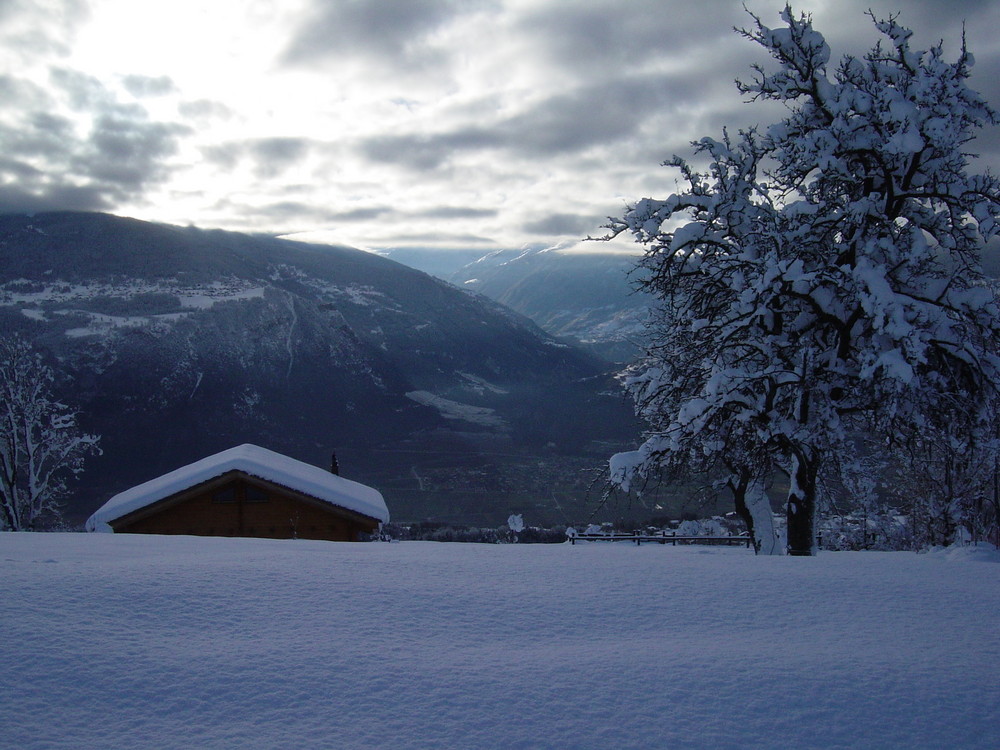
177, 342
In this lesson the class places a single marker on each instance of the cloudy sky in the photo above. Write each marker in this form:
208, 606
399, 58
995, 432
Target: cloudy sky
394, 123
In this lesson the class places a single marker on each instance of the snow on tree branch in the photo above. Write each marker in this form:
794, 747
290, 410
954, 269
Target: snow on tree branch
40, 443
821, 274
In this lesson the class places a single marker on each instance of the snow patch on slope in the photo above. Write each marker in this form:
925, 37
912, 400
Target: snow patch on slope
24, 292
217, 293
101, 324
479, 385
449, 409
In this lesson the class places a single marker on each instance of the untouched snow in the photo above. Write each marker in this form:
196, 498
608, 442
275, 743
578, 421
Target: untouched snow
256, 461
183, 642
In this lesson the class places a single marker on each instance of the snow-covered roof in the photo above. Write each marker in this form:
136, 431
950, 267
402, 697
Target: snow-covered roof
250, 459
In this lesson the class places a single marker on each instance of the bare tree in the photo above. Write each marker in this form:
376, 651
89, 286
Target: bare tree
41, 445
945, 479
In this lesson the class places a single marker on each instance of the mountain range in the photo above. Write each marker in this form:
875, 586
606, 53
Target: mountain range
589, 297
175, 342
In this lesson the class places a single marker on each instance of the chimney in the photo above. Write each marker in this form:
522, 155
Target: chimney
334, 466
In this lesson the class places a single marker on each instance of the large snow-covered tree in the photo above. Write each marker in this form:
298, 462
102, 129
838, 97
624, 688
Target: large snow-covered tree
41, 445
822, 275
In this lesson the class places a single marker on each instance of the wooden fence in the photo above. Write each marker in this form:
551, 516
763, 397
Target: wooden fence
743, 540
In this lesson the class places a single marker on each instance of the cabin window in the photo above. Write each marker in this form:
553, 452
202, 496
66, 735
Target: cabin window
225, 495
255, 494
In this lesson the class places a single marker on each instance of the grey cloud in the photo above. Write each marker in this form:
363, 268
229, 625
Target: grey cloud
577, 225
205, 109
369, 213
285, 211
929, 17
360, 214
565, 123
84, 92
39, 135
457, 240
53, 125
32, 28
594, 114
270, 156
428, 152
275, 155
18, 169
288, 211
55, 164
612, 37
457, 212
34, 170
439, 212
224, 155
608, 43
16, 199
127, 154
17, 92
391, 33
145, 86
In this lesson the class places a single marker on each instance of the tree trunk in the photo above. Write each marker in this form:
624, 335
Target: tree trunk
754, 507
738, 486
801, 508
759, 505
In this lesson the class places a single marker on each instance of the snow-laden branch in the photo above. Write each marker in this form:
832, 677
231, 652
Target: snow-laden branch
40, 443
838, 286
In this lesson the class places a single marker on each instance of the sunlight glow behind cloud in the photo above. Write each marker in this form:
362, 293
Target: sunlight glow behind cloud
483, 123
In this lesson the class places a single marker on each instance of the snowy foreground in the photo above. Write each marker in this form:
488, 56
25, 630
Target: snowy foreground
179, 642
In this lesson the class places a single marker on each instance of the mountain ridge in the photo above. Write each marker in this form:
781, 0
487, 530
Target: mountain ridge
175, 342
588, 298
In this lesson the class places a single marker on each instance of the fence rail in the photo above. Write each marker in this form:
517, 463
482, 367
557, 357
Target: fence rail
743, 540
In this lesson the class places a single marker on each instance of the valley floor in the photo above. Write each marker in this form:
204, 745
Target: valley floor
177, 642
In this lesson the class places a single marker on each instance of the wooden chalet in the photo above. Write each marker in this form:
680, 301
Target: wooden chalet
246, 491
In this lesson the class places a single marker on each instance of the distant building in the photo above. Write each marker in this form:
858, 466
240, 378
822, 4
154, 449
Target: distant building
246, 491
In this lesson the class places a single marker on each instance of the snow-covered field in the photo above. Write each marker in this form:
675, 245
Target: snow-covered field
115, 641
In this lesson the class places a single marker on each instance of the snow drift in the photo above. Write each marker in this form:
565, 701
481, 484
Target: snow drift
181, 642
